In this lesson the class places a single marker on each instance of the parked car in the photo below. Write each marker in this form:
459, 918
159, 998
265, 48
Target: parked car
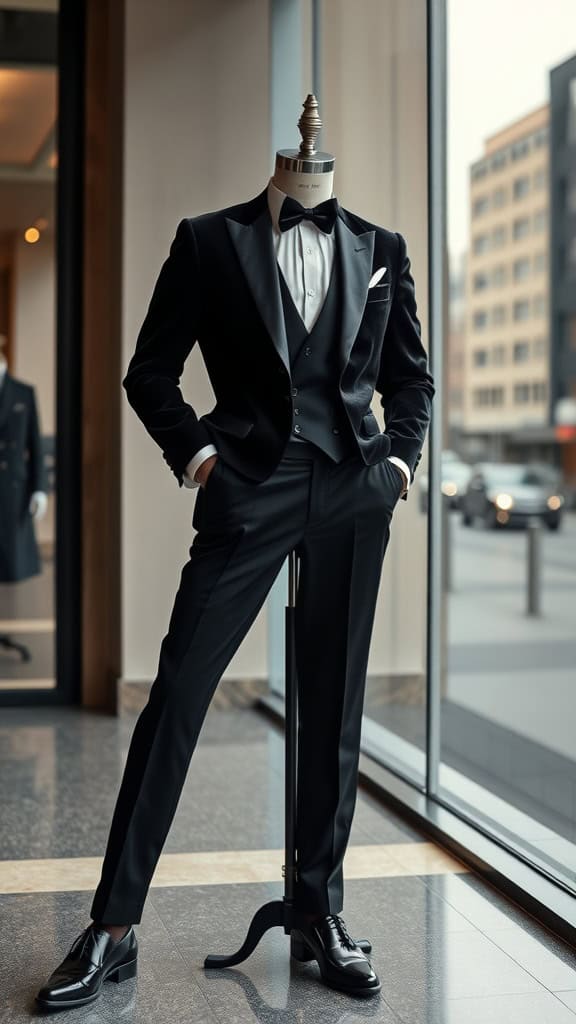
504, 493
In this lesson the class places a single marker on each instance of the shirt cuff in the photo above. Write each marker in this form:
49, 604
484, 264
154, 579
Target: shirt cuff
401, 465
196, 461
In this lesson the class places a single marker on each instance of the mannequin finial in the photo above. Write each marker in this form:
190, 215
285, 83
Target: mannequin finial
310, 125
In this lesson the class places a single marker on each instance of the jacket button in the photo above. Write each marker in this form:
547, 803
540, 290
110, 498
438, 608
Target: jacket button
307, 350
335, 430
296, 412
297, 428
294, 391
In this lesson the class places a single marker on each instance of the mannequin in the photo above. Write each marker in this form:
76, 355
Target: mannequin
302, 310
38, 499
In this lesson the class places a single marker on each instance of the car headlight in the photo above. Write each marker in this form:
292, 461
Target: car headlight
504, 501
554, 502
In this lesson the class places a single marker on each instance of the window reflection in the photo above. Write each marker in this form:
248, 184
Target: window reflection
28, 104
508, 702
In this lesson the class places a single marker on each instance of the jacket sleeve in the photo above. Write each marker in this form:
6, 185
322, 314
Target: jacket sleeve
37, 473
404, 382
164, 342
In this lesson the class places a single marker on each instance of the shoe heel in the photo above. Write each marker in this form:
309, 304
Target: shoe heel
123, 972
299, 950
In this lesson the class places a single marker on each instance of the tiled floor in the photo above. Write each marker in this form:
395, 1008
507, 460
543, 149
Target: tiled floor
448, 949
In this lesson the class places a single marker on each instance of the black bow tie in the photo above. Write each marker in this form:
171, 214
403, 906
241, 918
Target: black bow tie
323, 216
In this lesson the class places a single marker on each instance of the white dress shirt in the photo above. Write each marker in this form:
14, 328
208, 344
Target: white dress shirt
305, 255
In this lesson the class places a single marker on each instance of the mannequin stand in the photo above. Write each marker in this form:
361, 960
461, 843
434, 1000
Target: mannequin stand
9, 644
282, 913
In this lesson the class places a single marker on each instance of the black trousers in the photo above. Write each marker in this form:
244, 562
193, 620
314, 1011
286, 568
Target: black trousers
337, 516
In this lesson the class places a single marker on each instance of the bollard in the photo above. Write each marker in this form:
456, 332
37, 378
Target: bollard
534, 567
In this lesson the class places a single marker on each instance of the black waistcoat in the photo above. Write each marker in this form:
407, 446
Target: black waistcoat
315, 369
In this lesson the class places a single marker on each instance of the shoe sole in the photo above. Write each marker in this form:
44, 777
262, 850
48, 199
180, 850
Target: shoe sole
118, 974
306, 955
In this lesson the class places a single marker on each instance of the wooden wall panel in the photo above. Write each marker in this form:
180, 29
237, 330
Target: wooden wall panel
101, 442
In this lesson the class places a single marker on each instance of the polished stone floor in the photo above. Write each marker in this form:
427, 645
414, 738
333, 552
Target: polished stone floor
448, 949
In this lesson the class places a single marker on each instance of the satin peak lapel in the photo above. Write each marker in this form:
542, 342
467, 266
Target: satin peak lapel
255, 249
356, 256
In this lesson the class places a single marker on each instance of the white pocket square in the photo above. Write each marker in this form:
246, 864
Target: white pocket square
376, 276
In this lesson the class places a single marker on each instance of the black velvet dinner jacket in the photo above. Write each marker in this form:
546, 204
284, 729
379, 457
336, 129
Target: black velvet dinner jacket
219, 286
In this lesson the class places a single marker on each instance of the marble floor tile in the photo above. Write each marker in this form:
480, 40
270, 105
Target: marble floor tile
568, 998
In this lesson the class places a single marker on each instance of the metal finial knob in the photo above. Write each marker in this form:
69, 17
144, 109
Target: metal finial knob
310, 125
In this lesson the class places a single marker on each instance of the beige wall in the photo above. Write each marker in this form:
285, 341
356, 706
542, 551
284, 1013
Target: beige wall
374, 108
196, 139
34, 324
35, 338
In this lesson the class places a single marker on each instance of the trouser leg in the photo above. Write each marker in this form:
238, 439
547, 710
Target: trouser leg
341, 559
245, 533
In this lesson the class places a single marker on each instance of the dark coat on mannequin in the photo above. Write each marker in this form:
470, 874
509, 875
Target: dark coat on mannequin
21, 473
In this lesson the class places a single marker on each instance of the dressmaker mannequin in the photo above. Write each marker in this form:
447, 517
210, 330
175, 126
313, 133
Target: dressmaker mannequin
304, 174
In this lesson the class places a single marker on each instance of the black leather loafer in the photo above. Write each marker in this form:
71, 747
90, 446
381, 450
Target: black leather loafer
93, 958
343, 964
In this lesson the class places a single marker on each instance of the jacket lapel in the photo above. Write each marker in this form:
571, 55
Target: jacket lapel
356, 253
255, 249
5, 397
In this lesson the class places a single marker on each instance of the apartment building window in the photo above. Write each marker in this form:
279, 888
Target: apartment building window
499, 314
499, 236
479, 171
540, 262
522, 309
521, 351
541, 137
521, 228
521, 394
480, 281
539, 179
539, 347
521, 187
539, 391
499, 355
521, 269
499, 197
480, 206
488, 396
539, 305
480, 357
520, 149
480, 319
499, 160
481, 244
540, 220
499, 276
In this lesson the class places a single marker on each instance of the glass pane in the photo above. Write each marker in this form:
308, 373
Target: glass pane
375, 124
28, 168
508, 701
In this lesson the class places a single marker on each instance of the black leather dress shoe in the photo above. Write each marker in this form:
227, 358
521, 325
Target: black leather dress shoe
343, 964
93, 958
